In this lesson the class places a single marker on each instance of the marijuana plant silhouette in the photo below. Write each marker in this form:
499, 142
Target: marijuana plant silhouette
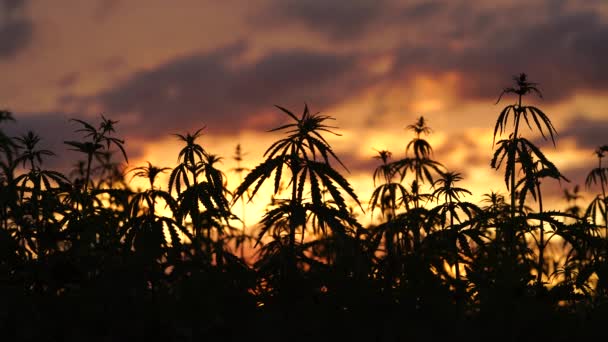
306, 154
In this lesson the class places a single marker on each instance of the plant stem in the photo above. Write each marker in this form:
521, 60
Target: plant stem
511, 232
195, 214
292, 222
541, 245
516, 131
456, 248
605, 213
88, 174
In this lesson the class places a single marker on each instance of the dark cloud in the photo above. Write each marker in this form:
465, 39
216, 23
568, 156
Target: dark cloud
15, 28
215, 90
588, 133
562, 49
420, 11
338, 20
69, 79
559, 44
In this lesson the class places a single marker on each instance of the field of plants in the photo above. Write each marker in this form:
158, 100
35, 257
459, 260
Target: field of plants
85, 257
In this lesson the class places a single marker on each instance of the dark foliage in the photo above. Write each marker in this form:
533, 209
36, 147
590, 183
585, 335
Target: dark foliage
84, 256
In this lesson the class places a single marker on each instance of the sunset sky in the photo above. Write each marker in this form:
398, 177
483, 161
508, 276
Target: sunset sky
162, 67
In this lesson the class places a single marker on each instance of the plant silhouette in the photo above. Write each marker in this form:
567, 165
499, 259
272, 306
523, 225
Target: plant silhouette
305, 154
85, 256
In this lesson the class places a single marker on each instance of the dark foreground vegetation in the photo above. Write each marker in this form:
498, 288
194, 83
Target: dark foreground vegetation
84, 257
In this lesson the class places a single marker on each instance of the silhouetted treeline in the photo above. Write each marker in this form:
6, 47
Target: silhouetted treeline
85, 257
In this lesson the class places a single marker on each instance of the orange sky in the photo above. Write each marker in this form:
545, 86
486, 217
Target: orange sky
165, 67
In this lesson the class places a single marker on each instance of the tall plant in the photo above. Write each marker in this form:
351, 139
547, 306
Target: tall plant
599, 205
418, 160
451, 212
305, 155
204, 184
144, 230
519, 154
97, 140
515, 148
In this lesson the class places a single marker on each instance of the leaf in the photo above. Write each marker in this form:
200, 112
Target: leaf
286, 111
257, 177
502, 120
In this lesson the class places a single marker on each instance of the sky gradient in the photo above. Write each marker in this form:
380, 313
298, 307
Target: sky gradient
163, 67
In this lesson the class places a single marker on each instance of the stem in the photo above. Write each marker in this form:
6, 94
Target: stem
511, 232
243, 233
292, 223
456, 248
603, 197
194, 213
35, 193
517, 116
416, 232
601, 180
541, 246
88, 174
153, 206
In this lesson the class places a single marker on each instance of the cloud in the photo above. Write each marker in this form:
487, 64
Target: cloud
558, 43
588, 133
69, 79
559, 47
338, 20
216, 90
15, 28
468, 151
